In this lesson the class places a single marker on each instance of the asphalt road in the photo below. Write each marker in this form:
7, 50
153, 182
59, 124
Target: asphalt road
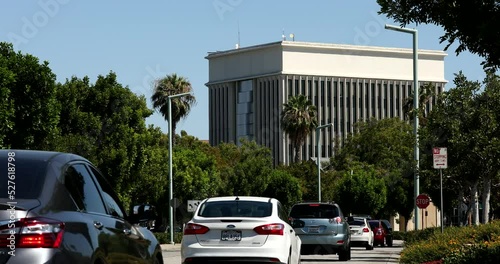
172, 255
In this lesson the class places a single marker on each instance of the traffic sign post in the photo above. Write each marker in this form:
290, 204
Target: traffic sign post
440, 157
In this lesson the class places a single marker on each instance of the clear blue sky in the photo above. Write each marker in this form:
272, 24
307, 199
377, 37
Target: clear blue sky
147, 40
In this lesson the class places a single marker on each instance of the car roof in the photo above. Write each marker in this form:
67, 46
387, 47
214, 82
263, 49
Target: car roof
40, 155
240, 198
325, 203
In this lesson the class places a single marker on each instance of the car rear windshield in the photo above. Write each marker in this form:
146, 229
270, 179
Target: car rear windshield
21, 179
374, 224
314, 211
356, 222
235, 208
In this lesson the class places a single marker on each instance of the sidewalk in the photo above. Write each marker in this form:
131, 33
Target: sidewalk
170, 247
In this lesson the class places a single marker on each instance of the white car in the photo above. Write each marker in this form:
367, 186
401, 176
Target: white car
240, 229
361, 233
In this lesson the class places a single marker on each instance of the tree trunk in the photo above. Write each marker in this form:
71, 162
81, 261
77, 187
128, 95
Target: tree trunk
174, 127
461, 213
297, 153
475, 204
486, 200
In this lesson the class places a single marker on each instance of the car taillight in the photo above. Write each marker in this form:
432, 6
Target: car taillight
195, 229
366, 230
270, 229
33, 233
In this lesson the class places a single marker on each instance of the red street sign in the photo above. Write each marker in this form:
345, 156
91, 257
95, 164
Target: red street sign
423, 201
440, 157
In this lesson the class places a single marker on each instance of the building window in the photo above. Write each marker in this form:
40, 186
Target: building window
329, 94
335, 94
244, 113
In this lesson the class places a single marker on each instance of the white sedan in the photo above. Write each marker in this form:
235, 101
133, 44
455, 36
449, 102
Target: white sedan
361, 233
240, 229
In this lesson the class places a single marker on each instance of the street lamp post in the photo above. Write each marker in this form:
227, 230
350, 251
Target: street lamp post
170, 182
416, 179
318, 157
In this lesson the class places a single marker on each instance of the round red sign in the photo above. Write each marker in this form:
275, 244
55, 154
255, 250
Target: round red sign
423, 201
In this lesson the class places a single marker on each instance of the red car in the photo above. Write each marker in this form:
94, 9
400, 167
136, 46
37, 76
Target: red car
378, 232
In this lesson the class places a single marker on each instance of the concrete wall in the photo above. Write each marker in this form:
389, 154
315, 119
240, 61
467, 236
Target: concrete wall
361, 62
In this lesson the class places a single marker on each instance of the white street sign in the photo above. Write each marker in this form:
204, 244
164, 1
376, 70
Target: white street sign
440, 157
192, 205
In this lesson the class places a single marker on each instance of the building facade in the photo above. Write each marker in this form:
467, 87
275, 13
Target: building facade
248, 87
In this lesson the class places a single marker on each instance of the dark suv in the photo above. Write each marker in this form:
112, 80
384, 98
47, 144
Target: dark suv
58, 208
322, 229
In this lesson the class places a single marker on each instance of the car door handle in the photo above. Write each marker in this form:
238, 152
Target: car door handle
98, 225
127, 232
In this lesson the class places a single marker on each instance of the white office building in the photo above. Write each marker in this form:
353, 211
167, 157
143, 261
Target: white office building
347, 83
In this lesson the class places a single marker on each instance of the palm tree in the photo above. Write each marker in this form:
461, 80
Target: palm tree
181, 106
426, 94
298, 119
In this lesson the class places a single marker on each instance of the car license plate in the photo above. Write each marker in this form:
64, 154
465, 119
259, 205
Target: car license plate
231, 235
354, 232
313, 229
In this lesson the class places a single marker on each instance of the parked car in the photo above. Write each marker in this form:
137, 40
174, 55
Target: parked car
378, 231
58, 208
240, 229
388, 232
361, 233
322, 229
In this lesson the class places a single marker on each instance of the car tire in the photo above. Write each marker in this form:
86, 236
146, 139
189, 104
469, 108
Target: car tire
369, 246
157, 260
345, 254
389, 243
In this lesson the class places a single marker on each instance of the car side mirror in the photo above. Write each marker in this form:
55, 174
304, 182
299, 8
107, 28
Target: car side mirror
142, 214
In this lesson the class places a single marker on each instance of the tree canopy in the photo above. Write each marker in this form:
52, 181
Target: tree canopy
472, 23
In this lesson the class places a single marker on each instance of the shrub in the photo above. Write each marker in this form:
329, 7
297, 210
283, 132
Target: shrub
164, 238
476, 244
399, 235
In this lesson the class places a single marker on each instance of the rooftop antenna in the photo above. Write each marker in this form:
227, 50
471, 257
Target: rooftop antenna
283, 35
238, 44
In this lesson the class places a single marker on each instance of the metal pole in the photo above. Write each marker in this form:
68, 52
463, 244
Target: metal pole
318, 157
416, 107
442, 209
170, 182
318, 142
170, 170
416, 177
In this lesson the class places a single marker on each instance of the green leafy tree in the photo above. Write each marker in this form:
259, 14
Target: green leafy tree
386, 144
247, 168
284, 187
30, 110
307, 174
7, 78
362, 190
480, 36
466, 121
181, 106
298, 119
105, 122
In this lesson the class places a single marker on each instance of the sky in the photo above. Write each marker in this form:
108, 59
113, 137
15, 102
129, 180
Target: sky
144, 41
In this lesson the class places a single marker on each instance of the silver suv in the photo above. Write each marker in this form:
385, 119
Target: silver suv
322, 229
